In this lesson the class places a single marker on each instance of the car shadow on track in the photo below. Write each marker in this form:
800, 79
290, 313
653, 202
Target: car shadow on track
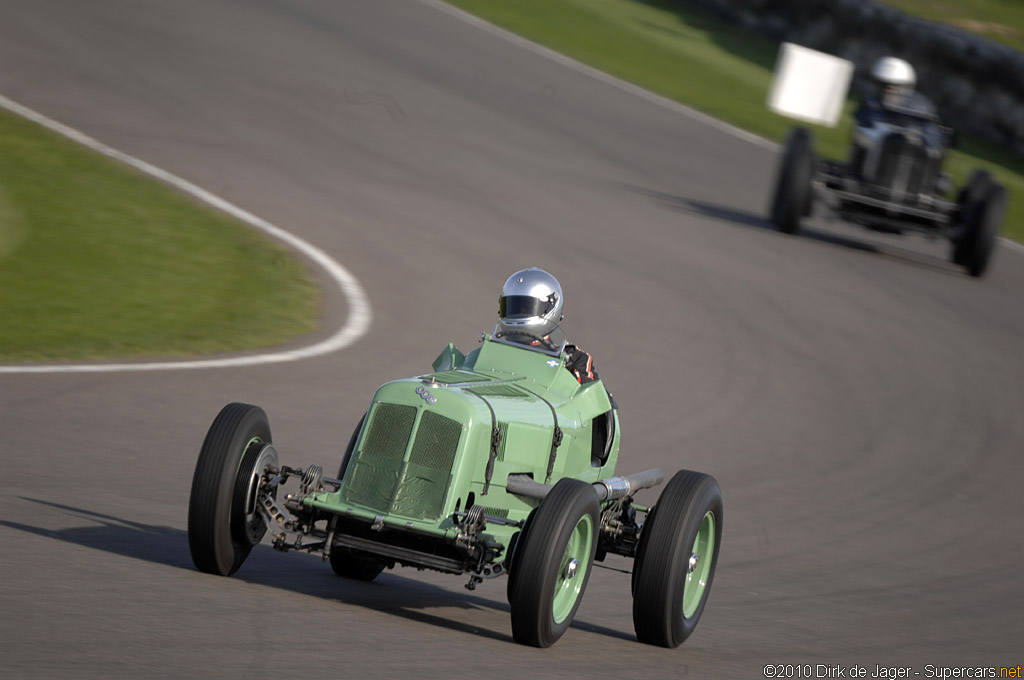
389, 594
750, 220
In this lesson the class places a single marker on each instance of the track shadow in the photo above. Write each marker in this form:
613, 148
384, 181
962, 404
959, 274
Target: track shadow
161, 545
749, 220
388, 594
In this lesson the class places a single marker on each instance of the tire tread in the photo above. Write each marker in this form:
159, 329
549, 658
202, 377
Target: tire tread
658, 591
530, 593
211, 545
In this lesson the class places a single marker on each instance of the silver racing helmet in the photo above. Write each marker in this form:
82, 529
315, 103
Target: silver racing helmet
895, 77
530, 309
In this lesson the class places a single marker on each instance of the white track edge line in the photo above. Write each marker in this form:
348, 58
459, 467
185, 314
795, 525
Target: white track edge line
625, 85
1012, 245
356, 324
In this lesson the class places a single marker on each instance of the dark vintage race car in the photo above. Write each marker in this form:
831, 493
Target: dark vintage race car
495, 463
892, 183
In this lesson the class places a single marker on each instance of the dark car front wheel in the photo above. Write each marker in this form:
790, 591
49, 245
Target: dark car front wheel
982, 219
973, 191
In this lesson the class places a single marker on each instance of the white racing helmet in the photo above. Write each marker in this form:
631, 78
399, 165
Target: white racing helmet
530, 302
894, 75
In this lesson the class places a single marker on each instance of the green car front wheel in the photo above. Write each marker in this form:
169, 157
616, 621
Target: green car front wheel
223, 521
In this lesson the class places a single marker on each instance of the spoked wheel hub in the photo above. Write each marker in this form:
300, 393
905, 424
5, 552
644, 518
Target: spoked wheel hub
247, 523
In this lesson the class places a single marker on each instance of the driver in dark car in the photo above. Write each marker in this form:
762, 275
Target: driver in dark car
529, 310
894, 103
895, 80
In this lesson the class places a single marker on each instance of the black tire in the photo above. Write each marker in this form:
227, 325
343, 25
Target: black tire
510, 559
983, 220
972, 193
978, 184
354, 565
664, 612
793, 196
547, 583
350, 448
346, 562
218, 541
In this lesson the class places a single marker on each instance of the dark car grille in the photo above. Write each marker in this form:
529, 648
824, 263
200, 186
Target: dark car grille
382, 478
908, 168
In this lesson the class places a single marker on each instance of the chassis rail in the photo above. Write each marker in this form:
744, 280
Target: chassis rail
851, 200
291, 524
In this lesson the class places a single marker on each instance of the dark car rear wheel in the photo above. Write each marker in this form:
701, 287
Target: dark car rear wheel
978, 184
223, 522
553, 562
973, 192
792, 199
676, 559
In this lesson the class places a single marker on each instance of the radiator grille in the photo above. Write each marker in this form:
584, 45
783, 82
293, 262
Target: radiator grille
384, 480
436, 442
389, 431
907, 168
377, 467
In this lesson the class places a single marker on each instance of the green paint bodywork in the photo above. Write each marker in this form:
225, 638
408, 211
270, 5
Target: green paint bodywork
423, 451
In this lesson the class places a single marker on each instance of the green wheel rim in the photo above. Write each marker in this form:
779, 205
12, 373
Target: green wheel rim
245, 450
699, 565
573, 569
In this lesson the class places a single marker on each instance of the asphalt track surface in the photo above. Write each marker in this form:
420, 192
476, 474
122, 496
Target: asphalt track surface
858, 398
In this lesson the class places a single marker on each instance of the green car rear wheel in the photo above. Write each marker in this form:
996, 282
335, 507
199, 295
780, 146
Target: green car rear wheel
676, 559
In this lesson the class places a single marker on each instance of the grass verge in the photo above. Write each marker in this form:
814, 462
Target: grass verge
999, 20
691, 57
98, 261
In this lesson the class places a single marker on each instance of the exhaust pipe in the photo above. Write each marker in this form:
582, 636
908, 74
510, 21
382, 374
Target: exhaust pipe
607, 489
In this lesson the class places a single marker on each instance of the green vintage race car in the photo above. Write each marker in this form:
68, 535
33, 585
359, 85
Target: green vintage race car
495, 463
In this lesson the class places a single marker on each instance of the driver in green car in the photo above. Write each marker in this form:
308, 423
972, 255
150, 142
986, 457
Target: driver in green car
530, 309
